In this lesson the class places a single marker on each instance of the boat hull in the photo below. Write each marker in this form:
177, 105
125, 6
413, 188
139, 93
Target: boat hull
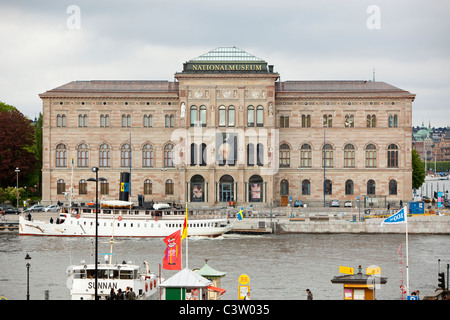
136, 228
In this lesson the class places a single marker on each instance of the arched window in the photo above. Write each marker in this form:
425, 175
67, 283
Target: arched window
82, 120
222, 116
395, 121
169, 187
203, 116
104, 120
125, 155
231, 116
349, 121
148, 186
255, 191
60, 186
392, 187
198, 190
203, 154
82, 155
250, 116
61, 155
371, 156
260, 116
148, 121
306, 121
285, 157
194, 116
327, 156
147, 155
371, 187
371, 121
305, 156
82, 187
104, 155
126, 120
327, 121
284, 187
349, 156
169, 120
349, 187
328, 187
392, 156
306, 187
169, 155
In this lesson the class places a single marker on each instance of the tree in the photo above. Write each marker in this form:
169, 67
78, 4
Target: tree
16, 141
418, 171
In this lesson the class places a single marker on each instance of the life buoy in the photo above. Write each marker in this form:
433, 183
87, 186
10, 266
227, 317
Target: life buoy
77, 216
119, 218
156, 218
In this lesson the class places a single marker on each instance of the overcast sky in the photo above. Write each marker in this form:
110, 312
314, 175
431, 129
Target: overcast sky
45, 44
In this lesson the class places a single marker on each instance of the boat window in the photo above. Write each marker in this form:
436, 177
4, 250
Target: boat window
113, 274
126, 274
79, 274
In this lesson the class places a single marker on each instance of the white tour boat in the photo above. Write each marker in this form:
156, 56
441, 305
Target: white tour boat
116, 276
125, 222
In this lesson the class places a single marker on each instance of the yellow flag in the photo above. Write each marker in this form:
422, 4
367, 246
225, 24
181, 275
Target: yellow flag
185, 231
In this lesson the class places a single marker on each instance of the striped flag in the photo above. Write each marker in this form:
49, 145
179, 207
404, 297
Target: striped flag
185, 226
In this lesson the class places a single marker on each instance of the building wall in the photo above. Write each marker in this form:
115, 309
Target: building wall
239, 91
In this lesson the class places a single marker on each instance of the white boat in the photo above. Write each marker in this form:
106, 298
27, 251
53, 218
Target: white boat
137, 222
116, 276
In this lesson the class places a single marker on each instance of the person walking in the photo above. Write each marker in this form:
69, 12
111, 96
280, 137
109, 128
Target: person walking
309, 295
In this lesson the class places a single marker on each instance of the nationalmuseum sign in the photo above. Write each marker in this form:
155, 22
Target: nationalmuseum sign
227, 67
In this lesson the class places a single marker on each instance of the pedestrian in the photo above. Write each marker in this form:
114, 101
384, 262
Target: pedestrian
131, 294
120, 294
389, 206
29, 216
51, 220
112, 295
247, 296
309, 295
126, 294
401, 204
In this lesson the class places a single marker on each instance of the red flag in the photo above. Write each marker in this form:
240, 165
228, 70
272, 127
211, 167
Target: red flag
172, 253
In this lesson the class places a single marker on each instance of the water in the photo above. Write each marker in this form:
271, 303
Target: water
280, 267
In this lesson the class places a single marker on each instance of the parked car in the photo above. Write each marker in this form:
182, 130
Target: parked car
52, 208
9, 209
35, 208
348, 204
426, 199
334, 203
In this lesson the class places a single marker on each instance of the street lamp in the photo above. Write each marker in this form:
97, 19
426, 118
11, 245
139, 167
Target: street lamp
28, 265
95, 169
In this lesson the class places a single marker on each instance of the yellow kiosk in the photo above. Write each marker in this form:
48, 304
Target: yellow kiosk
360, 286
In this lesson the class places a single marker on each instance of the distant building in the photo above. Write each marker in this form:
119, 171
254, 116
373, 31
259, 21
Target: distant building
227, 129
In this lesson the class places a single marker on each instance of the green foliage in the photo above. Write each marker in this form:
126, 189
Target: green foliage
10, 194
418, 171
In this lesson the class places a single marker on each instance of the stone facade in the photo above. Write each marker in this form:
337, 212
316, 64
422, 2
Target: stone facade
228, 129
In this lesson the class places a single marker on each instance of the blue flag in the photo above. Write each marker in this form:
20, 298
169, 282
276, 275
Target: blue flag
239, 214
399, 217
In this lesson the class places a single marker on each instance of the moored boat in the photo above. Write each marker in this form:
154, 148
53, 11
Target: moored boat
136, 222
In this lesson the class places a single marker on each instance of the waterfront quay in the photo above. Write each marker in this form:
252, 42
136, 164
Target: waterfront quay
285, 220
338, 220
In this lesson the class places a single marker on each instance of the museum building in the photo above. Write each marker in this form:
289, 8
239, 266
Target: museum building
227, 129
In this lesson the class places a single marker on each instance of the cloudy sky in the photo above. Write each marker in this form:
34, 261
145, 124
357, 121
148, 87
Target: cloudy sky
45, 44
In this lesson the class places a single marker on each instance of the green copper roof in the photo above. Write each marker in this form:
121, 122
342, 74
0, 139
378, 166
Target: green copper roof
227, 54
206, 271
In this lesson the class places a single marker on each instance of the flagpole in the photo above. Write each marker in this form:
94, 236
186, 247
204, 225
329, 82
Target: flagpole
407, 253
187, 248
